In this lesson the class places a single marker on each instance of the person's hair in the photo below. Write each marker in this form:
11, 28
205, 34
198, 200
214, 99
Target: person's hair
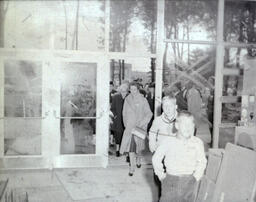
134, 84
123, 87
151, 85
169, 97
187, 114
178, 85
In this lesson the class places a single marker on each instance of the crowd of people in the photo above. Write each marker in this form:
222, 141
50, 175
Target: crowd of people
178, 155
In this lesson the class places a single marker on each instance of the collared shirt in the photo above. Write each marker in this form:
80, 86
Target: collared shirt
161, 129
181, 157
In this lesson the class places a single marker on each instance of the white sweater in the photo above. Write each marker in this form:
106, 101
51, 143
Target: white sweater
160, 130
181, 157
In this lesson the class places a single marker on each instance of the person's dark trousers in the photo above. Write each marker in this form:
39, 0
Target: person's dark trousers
158, 184
178, 189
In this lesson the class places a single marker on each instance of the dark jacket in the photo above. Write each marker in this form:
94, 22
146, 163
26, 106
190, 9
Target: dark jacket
117, 109
181, 101
151, 102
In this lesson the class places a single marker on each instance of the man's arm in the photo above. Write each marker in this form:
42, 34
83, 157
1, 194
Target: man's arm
113, 106
152, 135
157, 161
147, 114
200, 161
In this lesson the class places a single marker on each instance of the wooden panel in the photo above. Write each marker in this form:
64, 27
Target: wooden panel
230, 99
246, 136
237, 175
229, 71
214, 163
227, 125
3, 185
206, 190
218, 74
159, 56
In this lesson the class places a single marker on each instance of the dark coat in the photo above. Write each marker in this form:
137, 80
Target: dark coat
151, 102
111, 93
117, 109
181, 101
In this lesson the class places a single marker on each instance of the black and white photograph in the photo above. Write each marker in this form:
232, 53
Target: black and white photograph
128, 100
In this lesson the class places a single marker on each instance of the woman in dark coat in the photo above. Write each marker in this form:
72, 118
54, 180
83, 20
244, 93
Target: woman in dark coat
117, 108
136, 113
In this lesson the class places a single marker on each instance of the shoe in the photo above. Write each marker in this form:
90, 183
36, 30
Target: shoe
130, 174
127, 159
138, 165
117, 153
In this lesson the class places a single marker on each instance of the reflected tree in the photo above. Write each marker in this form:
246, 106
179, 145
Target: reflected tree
66, 24
180, 18
240, 23
121, 14
3, 10
148, 14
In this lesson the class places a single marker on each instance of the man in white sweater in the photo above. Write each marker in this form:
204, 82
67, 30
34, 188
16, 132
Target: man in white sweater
184, 160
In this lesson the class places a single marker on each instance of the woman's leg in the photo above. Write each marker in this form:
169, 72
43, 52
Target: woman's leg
138, 160
132, 163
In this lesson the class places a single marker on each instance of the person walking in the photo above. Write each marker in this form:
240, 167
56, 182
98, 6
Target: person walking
117, 109
184, 160
136, 114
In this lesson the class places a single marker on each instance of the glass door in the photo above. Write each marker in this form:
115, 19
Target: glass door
54, 111
81, 111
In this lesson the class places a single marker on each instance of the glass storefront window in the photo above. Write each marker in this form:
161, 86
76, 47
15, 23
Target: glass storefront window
68, 25
133, 26
190, 20
22, 107
78, 101
141, 70
240, 21
188, 73
79, 25
189, 62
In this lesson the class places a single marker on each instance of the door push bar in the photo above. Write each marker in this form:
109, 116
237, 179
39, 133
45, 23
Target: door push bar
79, 117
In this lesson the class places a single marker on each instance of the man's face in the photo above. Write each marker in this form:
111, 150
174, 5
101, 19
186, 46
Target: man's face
111, 87
152, 91
169, 108
134, 90
124, 89
186, 126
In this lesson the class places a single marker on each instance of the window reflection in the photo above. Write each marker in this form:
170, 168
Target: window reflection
139, 69
69, 25
22, 99
133, 26
78, 99
231, 112
190, 20
189, 62
239, 22
79, 25
188, 73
